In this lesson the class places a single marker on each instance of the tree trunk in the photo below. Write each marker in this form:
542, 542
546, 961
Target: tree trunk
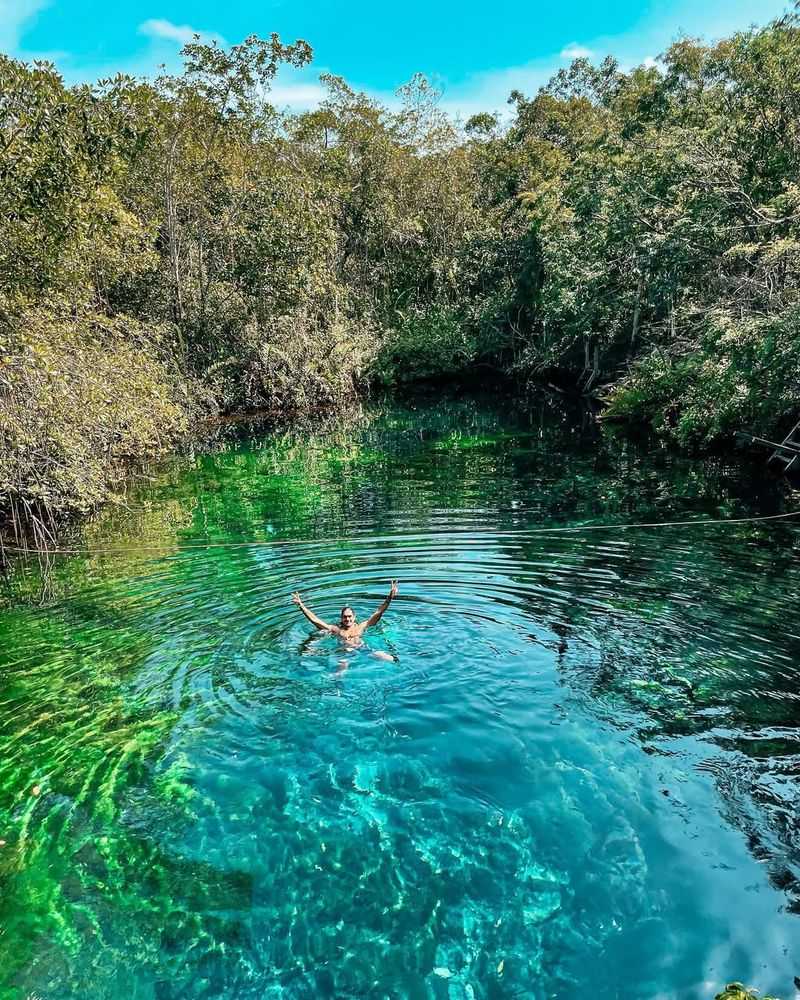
636, 314
173, 242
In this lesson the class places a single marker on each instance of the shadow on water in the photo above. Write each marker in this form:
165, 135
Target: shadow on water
581, 773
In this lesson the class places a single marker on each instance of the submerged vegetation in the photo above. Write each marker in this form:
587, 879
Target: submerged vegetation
191, 760
180, 246
735, 991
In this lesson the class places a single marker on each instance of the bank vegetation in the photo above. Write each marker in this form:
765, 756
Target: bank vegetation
180, 247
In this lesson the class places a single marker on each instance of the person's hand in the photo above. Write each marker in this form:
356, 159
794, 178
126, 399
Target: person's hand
393, 591
295, 598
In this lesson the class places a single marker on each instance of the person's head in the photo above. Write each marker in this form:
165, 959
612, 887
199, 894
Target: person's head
348, 617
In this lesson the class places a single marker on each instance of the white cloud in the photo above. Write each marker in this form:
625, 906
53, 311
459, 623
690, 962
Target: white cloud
161, 29
14, 14
490, 91
296, 96
575, 51
159, 53
649, 62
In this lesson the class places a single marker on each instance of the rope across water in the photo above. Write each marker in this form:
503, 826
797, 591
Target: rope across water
519, 533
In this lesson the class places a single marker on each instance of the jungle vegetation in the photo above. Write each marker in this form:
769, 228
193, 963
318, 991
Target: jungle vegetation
177, 247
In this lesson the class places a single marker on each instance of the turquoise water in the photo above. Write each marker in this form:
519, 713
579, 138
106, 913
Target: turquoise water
577, 779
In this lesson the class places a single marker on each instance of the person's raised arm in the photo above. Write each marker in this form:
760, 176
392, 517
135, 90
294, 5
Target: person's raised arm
310, 614
377, 615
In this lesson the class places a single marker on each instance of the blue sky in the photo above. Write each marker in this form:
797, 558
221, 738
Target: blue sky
477, 52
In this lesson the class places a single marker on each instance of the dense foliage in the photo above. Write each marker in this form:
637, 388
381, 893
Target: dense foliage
188, 246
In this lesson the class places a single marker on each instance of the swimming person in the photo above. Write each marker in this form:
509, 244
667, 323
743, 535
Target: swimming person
348, 629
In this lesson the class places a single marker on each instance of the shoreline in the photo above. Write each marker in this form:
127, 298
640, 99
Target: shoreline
40, 530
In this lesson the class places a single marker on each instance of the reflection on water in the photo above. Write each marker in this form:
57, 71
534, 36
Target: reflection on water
579, 777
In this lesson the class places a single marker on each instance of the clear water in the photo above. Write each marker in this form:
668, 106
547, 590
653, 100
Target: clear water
578, 779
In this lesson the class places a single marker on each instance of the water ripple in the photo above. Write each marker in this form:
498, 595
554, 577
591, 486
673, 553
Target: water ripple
578, 773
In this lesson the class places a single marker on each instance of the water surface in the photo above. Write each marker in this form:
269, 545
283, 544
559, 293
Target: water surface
578, 778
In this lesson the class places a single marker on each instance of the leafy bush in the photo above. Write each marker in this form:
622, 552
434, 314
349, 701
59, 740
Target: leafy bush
426, 344
743, 374
80, 396
293, 364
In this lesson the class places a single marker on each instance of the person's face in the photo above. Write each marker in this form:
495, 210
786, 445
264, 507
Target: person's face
348, 618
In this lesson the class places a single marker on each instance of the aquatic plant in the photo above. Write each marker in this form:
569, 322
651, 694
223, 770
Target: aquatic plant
736, 991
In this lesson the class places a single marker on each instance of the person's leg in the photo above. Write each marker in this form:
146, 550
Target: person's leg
380, 655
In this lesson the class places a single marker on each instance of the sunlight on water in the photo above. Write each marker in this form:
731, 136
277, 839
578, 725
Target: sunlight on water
579, 777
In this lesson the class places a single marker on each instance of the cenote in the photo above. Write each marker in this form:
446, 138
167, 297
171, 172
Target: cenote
577, 780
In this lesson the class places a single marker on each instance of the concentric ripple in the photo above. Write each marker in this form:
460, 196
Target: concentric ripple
577, 777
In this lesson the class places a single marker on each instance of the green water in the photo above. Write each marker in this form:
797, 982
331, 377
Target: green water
578, 779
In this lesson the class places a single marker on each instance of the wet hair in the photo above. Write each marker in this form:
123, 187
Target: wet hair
346, 608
